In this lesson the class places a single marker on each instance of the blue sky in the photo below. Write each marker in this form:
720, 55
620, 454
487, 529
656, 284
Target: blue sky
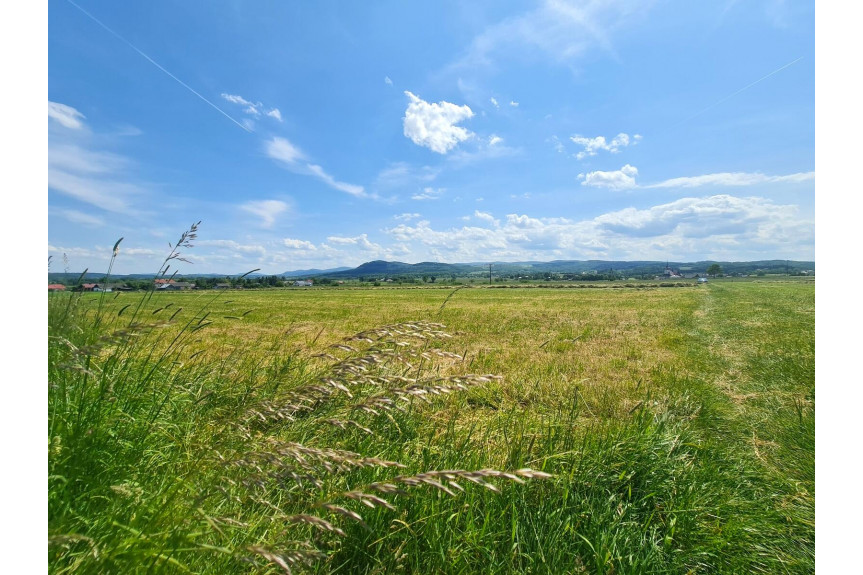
327, 134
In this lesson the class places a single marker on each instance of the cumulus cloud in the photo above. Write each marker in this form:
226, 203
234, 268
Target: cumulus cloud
621, 179
361, 241
434, 125
717, 227
283, 151
66, 116
298, 244
494, 140
732, 179
485, 216
267, 210
593, 145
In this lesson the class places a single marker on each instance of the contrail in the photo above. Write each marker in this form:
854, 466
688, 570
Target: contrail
744, 88
157, 65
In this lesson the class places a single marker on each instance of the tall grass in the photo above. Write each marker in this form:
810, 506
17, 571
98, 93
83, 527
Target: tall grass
673, 430
165, 455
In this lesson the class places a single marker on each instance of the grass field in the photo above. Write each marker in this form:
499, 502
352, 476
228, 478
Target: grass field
640, 429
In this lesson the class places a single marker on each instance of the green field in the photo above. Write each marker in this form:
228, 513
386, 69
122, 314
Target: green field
637, 429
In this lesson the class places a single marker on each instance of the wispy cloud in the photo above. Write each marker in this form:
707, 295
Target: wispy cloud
434, 125
732, 179
494, 102
428, 194
621, 179
290, 156
387, 81
267, 210
593, 145
557, 31
77, 217
96, 177
351, 189
407, 217
68, 116
402, 174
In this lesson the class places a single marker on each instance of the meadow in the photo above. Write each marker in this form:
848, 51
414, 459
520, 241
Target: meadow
469, 429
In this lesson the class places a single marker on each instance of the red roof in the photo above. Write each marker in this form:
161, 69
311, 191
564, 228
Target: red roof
163, 281
58, 287
89, 286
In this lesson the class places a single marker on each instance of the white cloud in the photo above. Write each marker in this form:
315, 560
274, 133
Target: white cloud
593, 145
494, 102
254, 109
236, 99
557, 31
513, 103
732, 179
293, 158
82, 218
621, 179
387, 81
718, 227
428, 194
267, 210
351, 189
284, 151
407, 216
361, 241
434, 125
67, 116
235, 248
494, 140
402, 174
105, 192
558, 146
485, 216
298, 244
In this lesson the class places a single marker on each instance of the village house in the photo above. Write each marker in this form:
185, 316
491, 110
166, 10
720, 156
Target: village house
175, 286
56, 287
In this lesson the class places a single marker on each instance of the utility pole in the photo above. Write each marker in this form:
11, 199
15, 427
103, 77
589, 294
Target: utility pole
489, 274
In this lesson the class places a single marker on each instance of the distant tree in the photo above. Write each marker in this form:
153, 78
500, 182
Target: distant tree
714, 270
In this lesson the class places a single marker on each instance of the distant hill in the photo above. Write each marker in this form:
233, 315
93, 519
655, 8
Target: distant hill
379, 269
313, 272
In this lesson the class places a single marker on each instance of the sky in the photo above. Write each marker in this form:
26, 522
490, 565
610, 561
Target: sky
318, 135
